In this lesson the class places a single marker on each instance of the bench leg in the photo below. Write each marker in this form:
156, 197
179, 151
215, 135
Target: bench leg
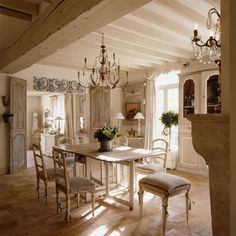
140, 198
164, 212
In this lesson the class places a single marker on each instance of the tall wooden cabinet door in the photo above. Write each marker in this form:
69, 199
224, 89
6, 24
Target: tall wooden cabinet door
99, 108
188, 96
18, 159
209, 92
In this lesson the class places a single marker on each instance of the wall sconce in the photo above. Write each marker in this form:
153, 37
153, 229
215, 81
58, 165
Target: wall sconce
5, 100
7, 117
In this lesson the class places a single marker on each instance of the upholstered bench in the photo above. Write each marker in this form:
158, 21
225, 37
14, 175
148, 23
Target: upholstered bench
164, 185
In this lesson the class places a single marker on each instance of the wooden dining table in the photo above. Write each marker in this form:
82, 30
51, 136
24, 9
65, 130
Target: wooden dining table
119, 155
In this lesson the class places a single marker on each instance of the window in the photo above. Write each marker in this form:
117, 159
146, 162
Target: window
60, 111
167, 98
60, 106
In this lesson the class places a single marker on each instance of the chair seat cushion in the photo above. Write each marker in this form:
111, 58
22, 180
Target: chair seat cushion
166, 183
77, 184
150, 168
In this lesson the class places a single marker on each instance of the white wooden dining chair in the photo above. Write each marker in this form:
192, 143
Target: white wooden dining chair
42, 172
69, 185
155, 164
70, 157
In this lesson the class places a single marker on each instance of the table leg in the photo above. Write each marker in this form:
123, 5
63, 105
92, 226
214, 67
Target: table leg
131, 185
87, 168
107, 178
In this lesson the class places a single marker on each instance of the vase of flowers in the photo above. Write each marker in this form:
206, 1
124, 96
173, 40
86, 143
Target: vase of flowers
105, 136
45, 127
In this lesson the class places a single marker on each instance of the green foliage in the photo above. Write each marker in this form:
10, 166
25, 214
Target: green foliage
105, 133
169, 119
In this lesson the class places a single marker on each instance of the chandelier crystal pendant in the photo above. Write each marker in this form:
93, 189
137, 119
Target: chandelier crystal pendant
103, 73
209, 51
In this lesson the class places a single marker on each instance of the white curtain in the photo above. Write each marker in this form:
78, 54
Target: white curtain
150, 106
72, 115
69, 116
53, 106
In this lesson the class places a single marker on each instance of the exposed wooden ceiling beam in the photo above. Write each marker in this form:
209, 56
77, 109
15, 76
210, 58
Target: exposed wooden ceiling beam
15, 14
214, 3
150, 43
112, 43
62, 23
20, 6
67, 65
155, 18
76, 57
149, 32
183, 10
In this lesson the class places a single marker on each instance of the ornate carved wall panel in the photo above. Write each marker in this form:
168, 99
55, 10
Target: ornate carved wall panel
56, 85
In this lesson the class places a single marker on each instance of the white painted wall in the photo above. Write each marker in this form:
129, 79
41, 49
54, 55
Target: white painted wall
4, 128
33, 105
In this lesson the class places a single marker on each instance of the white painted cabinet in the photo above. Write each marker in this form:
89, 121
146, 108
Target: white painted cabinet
47, 142
198, 94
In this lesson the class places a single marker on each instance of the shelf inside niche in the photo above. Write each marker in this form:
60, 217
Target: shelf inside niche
213, 105
186, 107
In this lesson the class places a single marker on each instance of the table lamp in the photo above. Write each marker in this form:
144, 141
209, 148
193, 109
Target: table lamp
119, 117
139, 116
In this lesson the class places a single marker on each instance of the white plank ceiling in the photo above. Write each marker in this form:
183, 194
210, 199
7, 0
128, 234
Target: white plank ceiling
156, 34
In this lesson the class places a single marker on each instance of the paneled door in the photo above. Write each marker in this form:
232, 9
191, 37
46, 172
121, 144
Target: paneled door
99, 108
18, 160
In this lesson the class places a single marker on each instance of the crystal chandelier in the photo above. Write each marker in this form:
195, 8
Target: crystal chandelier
209, 51
103, 73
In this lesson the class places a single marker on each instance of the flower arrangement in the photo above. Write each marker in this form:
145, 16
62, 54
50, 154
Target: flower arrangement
46, 125
105, 134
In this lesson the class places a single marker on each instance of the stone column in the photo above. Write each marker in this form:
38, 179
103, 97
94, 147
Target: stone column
210, 135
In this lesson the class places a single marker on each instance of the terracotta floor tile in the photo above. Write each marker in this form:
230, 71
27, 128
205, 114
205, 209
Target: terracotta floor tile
21, 213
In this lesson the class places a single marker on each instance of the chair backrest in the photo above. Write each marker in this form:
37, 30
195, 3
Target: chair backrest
39, 161
161, 145
61, 172
123, 141
65, 140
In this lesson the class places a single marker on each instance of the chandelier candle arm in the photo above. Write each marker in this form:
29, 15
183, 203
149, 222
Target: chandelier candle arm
209, 51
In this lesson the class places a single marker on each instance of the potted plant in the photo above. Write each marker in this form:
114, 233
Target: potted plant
105, 136
169, 119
